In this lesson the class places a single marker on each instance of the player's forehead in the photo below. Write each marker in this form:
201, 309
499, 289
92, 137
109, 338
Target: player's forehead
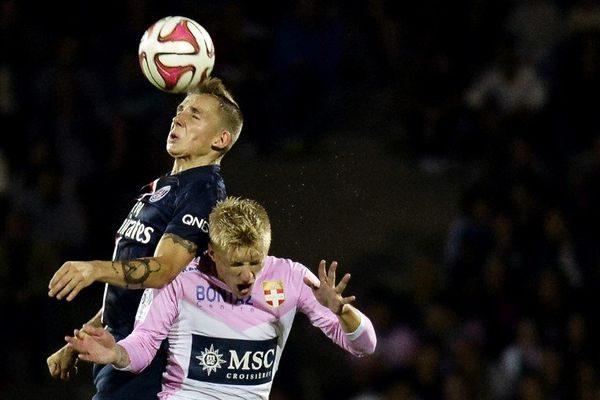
245, 254
200, 101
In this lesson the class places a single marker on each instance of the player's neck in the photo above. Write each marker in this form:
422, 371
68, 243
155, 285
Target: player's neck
181, 164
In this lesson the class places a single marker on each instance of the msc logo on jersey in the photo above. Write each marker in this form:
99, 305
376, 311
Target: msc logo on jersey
232, 361
274, 295
210, 360
160, 193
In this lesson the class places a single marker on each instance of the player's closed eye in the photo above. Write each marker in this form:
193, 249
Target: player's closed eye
240, 265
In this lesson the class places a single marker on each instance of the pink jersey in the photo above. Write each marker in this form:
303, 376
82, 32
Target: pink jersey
224, 347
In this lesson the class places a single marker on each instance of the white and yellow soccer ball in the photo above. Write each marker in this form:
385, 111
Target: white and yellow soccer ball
176, 53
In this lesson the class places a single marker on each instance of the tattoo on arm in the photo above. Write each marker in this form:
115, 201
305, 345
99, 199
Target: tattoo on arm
191, 247
135, 272
112, 264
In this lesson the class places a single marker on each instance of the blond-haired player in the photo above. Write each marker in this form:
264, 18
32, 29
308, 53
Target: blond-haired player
227, 324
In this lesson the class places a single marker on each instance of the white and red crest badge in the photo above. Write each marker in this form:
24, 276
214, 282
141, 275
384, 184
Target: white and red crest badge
274, 294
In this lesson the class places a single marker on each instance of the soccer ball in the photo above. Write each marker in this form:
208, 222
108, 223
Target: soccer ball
176, 53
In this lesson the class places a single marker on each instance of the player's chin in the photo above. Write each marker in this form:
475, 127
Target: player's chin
174, 150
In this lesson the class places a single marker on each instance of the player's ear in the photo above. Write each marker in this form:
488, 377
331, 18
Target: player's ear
211, 252
223, 141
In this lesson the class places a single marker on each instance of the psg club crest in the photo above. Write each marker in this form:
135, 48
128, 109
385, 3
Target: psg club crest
160, 193
274, 295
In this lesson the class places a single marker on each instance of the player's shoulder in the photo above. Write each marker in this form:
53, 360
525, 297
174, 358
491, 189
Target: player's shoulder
202, 184
189, 273
208, 174
192, 267
286, 274
283, 266
278, 262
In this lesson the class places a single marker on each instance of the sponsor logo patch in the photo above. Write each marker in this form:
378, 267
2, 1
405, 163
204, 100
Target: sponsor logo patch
213, 294
232, 361
190, 220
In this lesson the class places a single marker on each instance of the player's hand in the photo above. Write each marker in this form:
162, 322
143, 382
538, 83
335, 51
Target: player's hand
63, 363
70, 279
326, 291
93, 344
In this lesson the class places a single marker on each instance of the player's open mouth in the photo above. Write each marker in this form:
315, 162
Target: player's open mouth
244, 288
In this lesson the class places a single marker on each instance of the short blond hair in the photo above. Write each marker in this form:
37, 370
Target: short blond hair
235, 223
230, 112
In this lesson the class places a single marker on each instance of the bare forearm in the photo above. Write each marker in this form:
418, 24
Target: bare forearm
171, 255
138, 273
96, 320
349, 318
121, 358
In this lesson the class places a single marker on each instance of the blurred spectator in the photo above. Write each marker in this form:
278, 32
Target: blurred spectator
585, 195
305, 58
558, 251
50, 204
8, 104
427, 373
514, 86
469, 240
521, 357
538, 27
576, 89
4, 176
398, 344
378, 44
14, 249
495, 304
13, 81
584, 15
456, 387
468, 361
531, 387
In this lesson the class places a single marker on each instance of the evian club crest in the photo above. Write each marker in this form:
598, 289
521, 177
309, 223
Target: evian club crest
274, 294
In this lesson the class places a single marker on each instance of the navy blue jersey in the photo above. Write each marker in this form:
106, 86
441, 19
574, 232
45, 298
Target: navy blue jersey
178, 204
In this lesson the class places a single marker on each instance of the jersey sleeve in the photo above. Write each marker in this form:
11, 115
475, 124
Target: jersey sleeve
359, 343
192, 208
157, 311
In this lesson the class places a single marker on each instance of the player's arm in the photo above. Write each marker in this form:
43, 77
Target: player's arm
97, 345
171, 255
136, 351
359, 335
330, 296
63, 363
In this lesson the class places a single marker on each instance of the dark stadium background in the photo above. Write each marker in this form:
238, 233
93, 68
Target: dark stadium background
446, 153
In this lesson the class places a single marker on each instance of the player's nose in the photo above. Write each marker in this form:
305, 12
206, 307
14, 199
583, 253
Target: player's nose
178, 119
247, 275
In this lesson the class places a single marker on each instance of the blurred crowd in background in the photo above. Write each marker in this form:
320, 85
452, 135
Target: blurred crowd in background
500, 305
